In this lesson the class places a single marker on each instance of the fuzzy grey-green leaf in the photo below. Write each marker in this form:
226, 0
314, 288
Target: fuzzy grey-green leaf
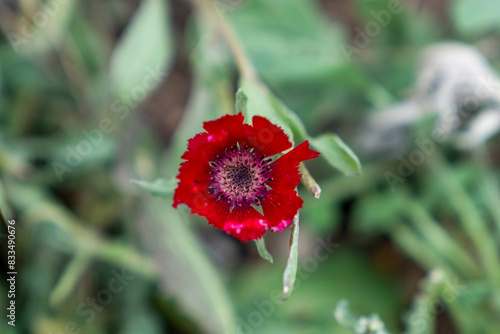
337, 153
290, 272
143, 54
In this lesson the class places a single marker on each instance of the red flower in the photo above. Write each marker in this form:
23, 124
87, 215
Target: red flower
229, 171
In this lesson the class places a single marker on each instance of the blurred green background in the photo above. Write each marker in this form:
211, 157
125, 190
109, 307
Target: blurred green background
94, 94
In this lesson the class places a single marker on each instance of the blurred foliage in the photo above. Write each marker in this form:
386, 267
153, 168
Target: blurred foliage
83, 92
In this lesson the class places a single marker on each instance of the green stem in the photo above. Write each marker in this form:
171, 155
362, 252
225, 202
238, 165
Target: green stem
69, 279
241, 59
309, 182
411, 244
441, 241
121, 254
85, 241
489, 186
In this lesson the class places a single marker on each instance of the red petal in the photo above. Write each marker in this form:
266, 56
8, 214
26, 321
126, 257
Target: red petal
228, 130
283, 203
194, 178
225, 122
280, 208
245, 223
198, 149
202, 203
300, 153
268, 138
285, 173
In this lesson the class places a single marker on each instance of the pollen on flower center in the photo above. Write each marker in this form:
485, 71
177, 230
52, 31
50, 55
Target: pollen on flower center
239, 176
242, 176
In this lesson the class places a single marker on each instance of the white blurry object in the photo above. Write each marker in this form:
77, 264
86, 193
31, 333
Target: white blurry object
455, 81
481, 128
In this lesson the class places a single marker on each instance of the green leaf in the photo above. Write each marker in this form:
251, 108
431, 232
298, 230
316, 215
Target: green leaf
158, 188
290, 272
240, 103
143, 54
261, 248
337, 153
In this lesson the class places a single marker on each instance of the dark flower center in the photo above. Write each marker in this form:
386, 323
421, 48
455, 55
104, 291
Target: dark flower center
239, 176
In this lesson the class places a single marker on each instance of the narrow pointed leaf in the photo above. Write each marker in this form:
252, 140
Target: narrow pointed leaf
291, 265
261, 248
